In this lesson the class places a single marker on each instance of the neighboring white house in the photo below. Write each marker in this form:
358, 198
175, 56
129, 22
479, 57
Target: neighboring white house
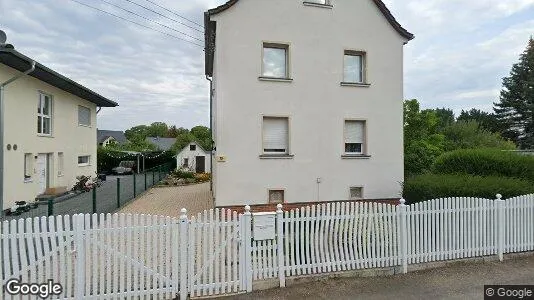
106, 138
49, 128
194, 158
307, 100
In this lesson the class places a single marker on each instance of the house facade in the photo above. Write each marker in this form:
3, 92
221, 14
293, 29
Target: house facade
194, 158
307, 101
106, 138
49, 129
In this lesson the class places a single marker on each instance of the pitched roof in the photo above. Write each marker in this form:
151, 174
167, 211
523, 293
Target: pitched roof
102, 135
18, 61
163, 144
209, 33
192, 143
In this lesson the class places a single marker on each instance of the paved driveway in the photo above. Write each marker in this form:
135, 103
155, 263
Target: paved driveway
459, 281
168, 201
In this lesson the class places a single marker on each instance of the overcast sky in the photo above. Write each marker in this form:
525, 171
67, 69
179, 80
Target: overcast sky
462, 50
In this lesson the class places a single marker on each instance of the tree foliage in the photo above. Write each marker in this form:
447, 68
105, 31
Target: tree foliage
515, 110
470, 135
487, 121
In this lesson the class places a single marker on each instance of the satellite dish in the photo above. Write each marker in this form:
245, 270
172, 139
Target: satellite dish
3, 37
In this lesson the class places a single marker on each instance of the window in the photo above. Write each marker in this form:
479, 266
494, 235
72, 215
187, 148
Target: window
84, 160
354, 67
275, 61
276, 196
192, 147
275, 135
354, 137
84, 116
186, 162
60, 163
322, 2
44, 115
356, 193
28, 169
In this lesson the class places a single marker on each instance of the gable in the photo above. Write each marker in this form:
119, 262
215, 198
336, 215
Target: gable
210, 29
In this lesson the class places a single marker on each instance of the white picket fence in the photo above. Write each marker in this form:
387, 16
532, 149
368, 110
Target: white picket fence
214, 253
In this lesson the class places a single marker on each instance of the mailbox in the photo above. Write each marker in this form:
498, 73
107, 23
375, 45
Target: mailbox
264, 226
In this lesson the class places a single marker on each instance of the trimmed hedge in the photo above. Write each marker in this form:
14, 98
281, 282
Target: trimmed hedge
432, 186
485, 162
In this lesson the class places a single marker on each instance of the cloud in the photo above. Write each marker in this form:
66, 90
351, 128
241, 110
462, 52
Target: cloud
461, 52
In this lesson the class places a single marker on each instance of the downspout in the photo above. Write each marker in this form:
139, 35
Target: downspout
98, 109
211, 130
2, 111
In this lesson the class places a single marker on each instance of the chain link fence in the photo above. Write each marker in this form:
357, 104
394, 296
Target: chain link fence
113, 194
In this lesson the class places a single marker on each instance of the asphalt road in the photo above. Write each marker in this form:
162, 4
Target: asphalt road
106, 197
458, 281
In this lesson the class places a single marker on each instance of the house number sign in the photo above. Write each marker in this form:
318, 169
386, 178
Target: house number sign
263, 227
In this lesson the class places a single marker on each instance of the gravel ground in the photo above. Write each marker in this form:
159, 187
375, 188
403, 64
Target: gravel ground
459, 281
168, 201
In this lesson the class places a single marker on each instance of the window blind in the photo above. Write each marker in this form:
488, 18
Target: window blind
84, 116
354, 132
275, 135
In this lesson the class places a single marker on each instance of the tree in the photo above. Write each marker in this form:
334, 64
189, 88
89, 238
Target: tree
422, 142
516, 107
159, 129
137, 132
485, 120
469, 135
445, 117
181, 141
202, 135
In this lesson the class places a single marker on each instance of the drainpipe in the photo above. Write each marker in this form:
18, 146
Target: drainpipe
2, 111
98, 109
211, 130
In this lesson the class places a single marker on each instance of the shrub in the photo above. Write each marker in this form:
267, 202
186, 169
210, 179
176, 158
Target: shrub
432, 186
485, 162
202, 177
183, 174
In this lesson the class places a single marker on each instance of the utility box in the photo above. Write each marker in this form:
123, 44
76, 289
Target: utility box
264, 226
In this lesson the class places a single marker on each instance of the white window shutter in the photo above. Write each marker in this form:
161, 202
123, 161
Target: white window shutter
354, 132
275, 135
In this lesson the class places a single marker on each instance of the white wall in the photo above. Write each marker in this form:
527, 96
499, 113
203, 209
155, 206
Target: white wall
315, 102
21, 100
191, 155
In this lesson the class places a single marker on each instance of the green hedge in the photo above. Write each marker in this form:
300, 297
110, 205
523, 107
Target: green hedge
432, 186
485, 162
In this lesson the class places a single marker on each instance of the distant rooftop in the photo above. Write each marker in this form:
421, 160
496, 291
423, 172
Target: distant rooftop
163, 144
102, 135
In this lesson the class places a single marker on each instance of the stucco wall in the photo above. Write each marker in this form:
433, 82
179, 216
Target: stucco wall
191, 155
21, 101
315, 102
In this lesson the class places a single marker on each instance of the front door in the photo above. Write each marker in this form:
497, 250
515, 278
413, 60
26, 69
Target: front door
42, 172
200, 164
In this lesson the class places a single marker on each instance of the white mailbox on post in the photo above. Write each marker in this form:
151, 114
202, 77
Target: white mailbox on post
264, 226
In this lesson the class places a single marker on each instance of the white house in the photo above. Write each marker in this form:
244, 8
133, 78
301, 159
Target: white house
49, 129
194, 158
307, 100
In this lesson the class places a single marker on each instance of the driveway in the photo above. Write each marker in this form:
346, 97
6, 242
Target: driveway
459, 281
168, 201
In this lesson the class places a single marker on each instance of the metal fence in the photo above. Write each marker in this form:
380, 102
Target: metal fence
113, 194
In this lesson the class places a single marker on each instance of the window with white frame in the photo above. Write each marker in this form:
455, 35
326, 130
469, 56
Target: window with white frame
60, 163
275, 61
356, 193
186, 162
44, 114
354, 67
275, 135
323, 2
276, 196
84, 116
354, 137
84, 160
28, 168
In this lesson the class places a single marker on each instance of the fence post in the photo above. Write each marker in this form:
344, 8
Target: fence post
145, 180
79, 285
153, 177
50, 207
280, 244
247, 239
94, 200
499, 222
134, 184
403, 235
118, 192
184, 222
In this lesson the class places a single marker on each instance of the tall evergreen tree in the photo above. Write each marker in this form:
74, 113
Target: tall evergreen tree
516, 107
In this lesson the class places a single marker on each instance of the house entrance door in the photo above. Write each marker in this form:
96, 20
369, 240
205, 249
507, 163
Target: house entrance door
42, 172
200, 164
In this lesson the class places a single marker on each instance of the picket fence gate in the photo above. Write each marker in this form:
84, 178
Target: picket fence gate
214, 253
